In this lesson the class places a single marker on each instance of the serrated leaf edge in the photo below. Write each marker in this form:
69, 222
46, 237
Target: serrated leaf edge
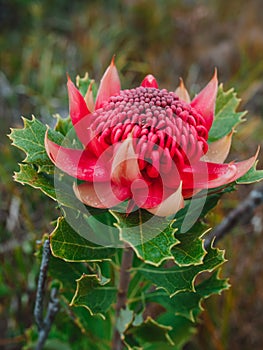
203, 247
240, 182
165, 328
171, 257
71, 260
83, 305
25, 124
222, 252
25, 183
202, 298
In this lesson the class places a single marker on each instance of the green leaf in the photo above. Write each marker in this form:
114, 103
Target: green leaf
94, 225
30, 139
70, 246
66, 274
151, 237
191, 250
124, 320
177, 279
191, 227
226, 117
29, 175
253, 175
188, 304
196, 209
151, 331
63, 125
94, 295
212, 285
183, 310
183, 330
96, 331
83, 84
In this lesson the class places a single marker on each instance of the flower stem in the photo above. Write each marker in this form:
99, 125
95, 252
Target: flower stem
126, 264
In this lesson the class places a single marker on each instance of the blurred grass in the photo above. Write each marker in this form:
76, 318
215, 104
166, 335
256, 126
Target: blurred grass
42, 40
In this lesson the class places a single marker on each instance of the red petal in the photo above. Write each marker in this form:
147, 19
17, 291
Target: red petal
77, 163
211, 175
147, 195
149, 81
207, 175
77, 106
125, 164
101, 195
109, 85
79, 112
205, 101
153, 199
244, 166
171, 205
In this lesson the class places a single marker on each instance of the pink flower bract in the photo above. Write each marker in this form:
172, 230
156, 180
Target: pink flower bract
145, 145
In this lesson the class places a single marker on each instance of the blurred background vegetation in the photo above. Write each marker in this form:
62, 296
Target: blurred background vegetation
42, 40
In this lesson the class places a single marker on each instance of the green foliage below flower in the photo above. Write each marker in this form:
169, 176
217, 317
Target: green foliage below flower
169, 254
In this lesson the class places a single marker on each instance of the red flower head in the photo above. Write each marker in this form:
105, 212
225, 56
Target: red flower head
144, 145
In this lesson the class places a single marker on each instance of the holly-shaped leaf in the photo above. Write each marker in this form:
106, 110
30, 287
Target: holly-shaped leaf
182, 331
150, 331
151, 237
191, 228
94, 294
96, 331
197, 208
66, 274
253, 175
188, 304
212, 285
94, 225
226, 117
70, 246
30, 139
63, 193
94, 326
183, 310
191, 250
178, 279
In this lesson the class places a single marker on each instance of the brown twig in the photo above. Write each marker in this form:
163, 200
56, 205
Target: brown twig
244, 212
38, 311
126, 264
44, 325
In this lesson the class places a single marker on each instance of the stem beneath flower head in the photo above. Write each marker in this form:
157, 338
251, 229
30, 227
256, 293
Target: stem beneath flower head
126, 264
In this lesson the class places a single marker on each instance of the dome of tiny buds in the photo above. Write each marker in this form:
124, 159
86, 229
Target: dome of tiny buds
163, 127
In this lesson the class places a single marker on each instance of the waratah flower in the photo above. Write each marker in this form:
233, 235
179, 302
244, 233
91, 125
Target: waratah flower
147, 146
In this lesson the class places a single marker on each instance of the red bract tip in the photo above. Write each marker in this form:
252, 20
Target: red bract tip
150, 82
109, 85
77, 106
205, 101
